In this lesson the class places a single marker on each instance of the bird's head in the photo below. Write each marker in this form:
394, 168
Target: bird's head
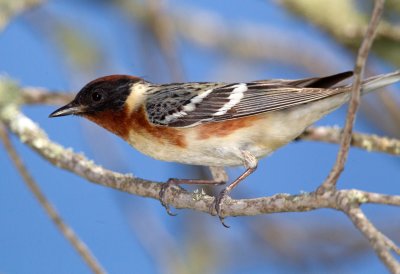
104, 94
107, 101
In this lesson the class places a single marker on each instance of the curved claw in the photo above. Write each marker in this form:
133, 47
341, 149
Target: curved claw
217, 204
161, 194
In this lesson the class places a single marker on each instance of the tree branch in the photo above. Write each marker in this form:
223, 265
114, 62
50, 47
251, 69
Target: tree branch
369, 142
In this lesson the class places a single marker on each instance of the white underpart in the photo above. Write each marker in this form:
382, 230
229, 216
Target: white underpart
234, 98
189, 107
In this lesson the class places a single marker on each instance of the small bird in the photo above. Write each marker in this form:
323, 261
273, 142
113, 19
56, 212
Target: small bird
212, 124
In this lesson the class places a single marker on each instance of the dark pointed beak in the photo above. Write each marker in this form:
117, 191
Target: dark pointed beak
70, 109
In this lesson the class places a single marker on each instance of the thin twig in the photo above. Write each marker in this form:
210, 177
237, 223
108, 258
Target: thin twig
379, 242
330, 182
67, 231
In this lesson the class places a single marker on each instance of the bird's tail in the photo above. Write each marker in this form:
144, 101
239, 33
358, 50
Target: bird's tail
380, 81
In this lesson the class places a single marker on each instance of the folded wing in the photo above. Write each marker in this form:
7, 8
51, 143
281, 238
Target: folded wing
193, 106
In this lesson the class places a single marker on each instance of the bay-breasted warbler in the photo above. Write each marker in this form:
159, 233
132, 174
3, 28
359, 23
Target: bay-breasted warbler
212, 124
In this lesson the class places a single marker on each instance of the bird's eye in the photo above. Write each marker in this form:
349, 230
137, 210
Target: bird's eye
97, 96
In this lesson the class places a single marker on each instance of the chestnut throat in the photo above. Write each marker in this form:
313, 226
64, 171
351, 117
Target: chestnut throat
123, 122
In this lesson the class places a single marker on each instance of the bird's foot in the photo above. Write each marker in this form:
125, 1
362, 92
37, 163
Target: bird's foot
161, 194
219, 199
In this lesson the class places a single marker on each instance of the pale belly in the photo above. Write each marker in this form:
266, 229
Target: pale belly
271, 131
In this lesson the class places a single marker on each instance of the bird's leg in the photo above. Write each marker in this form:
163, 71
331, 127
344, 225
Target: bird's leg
250, 162
219, 178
